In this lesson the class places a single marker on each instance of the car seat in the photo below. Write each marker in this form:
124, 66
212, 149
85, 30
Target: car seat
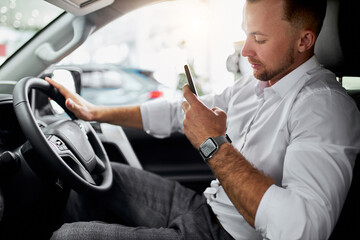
338, 49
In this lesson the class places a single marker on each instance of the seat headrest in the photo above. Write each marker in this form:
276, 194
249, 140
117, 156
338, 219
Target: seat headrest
338, 45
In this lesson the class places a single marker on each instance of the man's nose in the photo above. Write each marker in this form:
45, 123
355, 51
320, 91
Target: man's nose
247, 50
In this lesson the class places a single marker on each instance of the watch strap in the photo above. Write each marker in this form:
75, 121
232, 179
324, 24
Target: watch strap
222, 139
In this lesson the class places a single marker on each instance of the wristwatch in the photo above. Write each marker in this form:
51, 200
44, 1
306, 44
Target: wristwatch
211, 145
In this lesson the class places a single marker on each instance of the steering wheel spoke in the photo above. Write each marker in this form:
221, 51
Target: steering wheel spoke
100, 166
77, 167
84, 126
73, 162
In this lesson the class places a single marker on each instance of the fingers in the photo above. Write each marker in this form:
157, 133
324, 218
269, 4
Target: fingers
185, 106
189, 95
54, 83
63, 90
68, 95
74, 107
69, 103
74, 102
80, 111
200, 122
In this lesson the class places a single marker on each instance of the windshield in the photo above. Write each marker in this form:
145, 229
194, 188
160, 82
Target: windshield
20, 20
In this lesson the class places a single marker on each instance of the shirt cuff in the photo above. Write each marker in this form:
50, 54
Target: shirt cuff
261, 220
156, 118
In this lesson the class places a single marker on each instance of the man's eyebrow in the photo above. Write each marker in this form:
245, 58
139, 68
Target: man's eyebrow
257, 33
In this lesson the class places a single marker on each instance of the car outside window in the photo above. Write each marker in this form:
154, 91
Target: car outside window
20, 20
351, 83
165, 36
113, 85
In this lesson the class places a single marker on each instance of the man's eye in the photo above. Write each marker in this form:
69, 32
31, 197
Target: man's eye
259, 40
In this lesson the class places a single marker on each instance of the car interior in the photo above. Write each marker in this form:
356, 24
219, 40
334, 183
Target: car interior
38, 168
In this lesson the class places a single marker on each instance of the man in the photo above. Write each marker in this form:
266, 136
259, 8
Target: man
285, 175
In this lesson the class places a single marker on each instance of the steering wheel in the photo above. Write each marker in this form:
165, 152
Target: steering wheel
69, 148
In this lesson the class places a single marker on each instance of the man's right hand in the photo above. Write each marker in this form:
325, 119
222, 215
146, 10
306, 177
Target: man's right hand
75, 103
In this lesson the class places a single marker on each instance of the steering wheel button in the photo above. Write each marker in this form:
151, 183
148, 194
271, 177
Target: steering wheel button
58, 143
63, 148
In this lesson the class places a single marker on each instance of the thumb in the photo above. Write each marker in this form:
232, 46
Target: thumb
70, 104
80, 111
218, 111
189, 95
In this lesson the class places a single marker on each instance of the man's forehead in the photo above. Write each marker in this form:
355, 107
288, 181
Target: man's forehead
272, 8
260, 15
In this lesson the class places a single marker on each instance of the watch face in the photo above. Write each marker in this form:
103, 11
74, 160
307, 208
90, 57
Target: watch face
208, 148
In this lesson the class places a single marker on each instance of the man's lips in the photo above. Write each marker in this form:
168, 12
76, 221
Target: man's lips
255, 65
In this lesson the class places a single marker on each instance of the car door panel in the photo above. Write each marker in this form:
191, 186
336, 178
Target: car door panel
174, 158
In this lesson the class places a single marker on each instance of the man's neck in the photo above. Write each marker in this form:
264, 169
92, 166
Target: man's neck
296, 64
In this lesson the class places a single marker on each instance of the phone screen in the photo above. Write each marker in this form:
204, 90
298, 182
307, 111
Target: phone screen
190, 80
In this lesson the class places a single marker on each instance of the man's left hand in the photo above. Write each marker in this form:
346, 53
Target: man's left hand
200, 122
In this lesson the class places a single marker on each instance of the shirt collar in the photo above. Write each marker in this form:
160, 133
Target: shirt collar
281, 87
284, 85
260, 87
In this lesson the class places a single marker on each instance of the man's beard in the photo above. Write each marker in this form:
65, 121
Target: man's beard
267, 75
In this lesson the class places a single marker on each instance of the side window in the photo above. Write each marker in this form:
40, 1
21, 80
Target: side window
20, 20
351, 83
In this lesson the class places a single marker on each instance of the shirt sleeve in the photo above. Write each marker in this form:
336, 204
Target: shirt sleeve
317, 170
161, 117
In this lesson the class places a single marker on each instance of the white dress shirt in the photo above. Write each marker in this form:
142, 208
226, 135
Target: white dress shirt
304, 132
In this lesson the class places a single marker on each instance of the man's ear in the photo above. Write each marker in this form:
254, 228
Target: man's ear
306, 41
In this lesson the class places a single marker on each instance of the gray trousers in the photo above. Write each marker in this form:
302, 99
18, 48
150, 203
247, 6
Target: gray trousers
140, 205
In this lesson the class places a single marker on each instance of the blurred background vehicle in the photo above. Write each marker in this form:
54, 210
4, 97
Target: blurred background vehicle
111, 84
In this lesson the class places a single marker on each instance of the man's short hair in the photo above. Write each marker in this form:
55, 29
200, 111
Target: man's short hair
307, 14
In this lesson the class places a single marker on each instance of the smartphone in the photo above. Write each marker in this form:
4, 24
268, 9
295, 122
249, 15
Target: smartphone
190, 80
